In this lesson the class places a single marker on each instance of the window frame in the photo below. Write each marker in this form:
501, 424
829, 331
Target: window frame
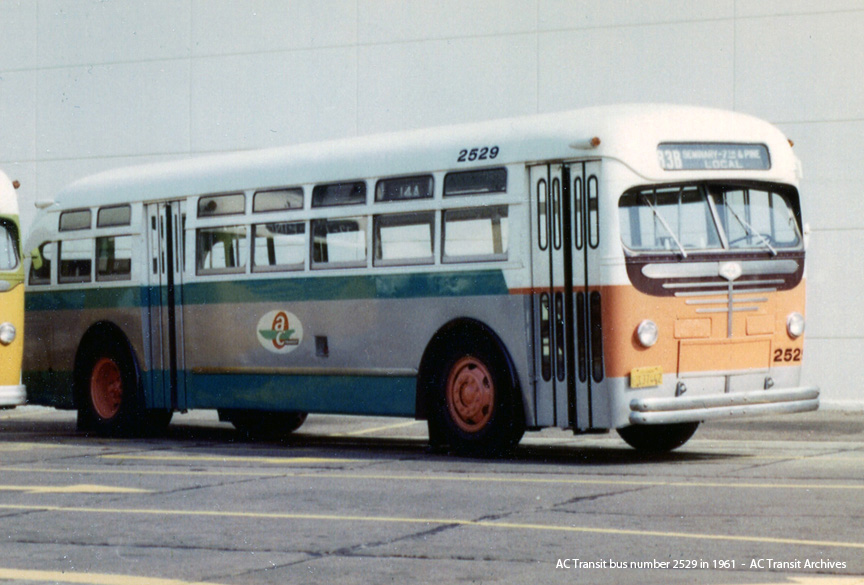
380, 220
488, 210
82, 279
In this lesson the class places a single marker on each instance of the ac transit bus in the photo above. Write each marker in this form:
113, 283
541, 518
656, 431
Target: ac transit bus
638, 268
11, 297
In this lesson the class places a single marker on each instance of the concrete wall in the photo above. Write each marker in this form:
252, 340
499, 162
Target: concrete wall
87, 85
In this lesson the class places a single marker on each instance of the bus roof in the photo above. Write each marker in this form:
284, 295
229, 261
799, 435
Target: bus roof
629, 133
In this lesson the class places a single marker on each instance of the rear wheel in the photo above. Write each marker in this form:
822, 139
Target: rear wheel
264, 425
658, 438
474, 409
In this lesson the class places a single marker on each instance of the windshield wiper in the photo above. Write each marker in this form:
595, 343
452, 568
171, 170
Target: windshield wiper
665, 226
752, 231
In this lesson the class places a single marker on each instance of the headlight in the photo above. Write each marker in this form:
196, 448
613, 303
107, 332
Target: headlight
7, 333
795, 325
647, 333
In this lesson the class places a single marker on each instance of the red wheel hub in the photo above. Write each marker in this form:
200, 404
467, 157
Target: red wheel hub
470, 394
106, 388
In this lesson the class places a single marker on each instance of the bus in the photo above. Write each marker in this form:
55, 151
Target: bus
11, 297
638, 268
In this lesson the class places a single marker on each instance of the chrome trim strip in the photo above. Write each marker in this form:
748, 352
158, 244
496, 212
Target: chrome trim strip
709, 293
726, 300
723, 285
726, 310
705, 269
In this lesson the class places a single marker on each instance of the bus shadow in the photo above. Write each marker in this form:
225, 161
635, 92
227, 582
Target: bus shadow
309, 444
223, 439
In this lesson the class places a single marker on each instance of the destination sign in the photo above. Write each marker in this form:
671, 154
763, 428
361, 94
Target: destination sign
713, 156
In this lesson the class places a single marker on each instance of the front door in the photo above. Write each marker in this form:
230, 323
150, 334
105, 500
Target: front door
165, 241
568, 353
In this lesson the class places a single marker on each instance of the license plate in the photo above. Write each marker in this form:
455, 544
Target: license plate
645, 377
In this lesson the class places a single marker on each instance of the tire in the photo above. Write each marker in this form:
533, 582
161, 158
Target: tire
264, 425
107, 389
658, 438
474, 409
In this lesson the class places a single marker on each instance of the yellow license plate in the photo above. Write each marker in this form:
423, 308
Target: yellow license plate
645, 377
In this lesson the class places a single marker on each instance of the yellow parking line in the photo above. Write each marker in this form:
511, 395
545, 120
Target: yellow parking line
436, 521
230, 459
88, 578
72, 489
28, 446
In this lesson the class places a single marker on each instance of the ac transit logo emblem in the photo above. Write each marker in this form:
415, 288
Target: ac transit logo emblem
280, 331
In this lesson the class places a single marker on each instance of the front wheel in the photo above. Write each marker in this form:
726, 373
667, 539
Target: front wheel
658, 438
107, 390
475, 409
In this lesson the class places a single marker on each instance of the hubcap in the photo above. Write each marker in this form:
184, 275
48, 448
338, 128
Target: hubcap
106, 388
470, 394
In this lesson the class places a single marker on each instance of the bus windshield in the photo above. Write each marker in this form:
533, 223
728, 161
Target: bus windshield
8, 246
708, 217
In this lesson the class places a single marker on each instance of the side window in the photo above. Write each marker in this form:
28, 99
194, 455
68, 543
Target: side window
40, 266
484, 181
215, 205
476, 234
277, 200
79, 219
404, 239
350, 193
116, 215
76, 261
114, 258
278, 246
8, 245
404, 188
221, 250
339, 243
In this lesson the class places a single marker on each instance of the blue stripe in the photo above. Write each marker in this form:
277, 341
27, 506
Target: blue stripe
244, 290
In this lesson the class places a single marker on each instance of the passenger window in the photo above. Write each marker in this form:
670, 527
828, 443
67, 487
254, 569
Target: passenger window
277, 200
339, 243
278, 246
114, 258
404, 239
117, 215
215, 205
476, 234
76, 260
480, 182
221, 250
404, 188
339, 194
40, 265
75, 220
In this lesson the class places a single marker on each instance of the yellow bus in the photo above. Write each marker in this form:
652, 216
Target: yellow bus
637, 268
11, 297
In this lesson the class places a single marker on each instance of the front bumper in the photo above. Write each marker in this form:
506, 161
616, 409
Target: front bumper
13, 395
713, 406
